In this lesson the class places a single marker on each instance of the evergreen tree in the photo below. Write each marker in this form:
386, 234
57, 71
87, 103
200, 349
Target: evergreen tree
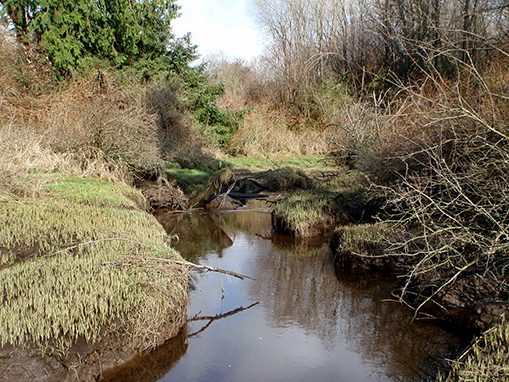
72, 33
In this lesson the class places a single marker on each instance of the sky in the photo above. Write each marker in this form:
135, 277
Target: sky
220, 27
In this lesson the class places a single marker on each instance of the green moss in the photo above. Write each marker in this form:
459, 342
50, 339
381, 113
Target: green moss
55, 282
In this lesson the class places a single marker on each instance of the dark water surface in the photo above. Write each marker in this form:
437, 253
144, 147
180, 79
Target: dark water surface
301, 320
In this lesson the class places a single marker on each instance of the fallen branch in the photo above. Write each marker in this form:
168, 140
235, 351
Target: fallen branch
203, 267
136, 260
211, 319
184, 263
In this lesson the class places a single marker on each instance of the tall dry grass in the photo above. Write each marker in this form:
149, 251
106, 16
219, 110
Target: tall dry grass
266, 133
95, 128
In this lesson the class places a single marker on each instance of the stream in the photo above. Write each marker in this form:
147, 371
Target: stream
300, 320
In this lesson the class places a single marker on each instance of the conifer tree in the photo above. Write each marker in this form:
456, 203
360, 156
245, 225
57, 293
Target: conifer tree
74, 33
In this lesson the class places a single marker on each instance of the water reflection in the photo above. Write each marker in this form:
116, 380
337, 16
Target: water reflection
305, 321
153, 366
194, 231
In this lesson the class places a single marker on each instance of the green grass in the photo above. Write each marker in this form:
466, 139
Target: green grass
281, 173
305, 213
55, 284
312, 211
257, 164
191, 181
94, 192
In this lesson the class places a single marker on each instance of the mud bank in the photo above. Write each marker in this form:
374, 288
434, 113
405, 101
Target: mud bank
472, 300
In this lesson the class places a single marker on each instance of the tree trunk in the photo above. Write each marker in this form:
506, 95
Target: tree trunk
18, 15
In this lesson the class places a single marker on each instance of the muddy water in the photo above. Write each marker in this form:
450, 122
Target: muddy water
300, 320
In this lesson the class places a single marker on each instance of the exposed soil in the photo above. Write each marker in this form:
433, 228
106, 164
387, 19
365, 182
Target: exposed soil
83, 362
161, 194
473, 300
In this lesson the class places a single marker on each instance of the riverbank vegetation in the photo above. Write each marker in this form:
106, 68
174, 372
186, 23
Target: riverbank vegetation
408, 101
58, 281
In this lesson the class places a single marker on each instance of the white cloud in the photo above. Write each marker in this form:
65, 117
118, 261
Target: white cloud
219, 26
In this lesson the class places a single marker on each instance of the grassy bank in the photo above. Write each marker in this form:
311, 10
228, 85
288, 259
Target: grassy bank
76, 259
486, 360
331, 199
276, 173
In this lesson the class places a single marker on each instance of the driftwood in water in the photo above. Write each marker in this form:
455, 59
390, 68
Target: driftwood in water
211, 319
240, 195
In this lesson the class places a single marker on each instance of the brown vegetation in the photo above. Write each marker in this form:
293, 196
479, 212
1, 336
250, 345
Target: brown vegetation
413, 94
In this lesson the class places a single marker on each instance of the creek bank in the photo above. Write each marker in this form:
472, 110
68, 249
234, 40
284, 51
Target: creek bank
83, 361
472, 300
316, 212
88, 297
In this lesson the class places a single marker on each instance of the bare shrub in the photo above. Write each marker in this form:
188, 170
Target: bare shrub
105, 131
457, 197
178, 135
245, 85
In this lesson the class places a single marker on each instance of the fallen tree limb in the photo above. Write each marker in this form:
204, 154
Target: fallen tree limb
136, 260
211, 319
204, 267
168, 261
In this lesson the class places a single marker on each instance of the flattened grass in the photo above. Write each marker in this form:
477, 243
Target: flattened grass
55, 285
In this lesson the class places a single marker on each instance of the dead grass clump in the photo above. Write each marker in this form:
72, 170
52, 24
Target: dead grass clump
486, 360
221, 179
265, 133
22, 153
